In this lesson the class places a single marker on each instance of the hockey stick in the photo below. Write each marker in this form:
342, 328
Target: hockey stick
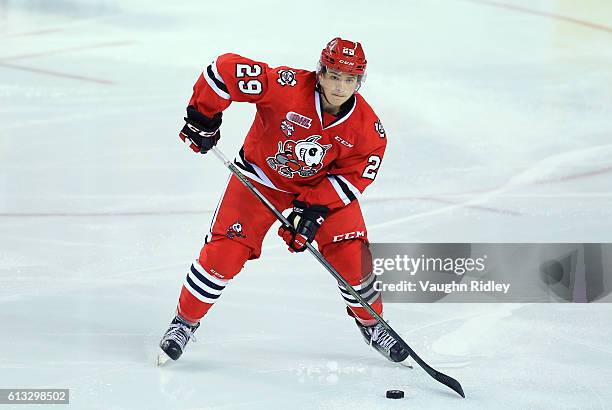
441, 377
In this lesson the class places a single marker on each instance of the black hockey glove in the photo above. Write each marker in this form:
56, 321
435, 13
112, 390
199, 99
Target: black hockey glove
305, 221
200, 132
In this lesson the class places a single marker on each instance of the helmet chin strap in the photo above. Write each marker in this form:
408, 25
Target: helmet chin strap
322, 93
324, 96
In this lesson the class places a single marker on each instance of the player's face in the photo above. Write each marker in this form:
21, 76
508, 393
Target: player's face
338, 87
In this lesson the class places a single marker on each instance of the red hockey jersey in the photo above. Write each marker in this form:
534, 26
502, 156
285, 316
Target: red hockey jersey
292, 145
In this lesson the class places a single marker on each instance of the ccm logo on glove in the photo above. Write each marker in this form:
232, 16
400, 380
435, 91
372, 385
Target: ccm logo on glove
305, 221
200, 132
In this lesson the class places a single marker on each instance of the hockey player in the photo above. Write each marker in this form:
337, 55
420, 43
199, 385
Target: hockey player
315, 145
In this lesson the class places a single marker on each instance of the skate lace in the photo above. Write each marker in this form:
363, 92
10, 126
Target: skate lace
382, 338
181, 334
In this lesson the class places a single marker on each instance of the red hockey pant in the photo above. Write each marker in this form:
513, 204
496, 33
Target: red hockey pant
239, 225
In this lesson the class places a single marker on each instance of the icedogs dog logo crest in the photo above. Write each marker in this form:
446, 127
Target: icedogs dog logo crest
304, 157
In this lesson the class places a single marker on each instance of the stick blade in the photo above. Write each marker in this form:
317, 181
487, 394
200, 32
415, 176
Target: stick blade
450, 382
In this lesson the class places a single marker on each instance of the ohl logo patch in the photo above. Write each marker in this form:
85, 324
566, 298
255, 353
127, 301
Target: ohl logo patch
304, 157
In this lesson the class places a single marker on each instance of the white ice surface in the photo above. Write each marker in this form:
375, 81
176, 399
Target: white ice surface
500, 130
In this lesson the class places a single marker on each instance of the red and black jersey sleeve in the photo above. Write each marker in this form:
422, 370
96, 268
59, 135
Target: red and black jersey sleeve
348, 177
228, 78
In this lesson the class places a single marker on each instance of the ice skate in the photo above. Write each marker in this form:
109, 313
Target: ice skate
378, 337
175, 339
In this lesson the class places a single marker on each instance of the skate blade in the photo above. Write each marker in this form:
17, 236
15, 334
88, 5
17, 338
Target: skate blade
162, 359
406, 363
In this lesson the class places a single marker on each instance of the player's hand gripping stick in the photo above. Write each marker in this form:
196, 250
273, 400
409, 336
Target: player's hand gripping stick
305, 221
200, 132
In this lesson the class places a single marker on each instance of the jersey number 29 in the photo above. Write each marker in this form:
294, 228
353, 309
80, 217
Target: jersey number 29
250, 86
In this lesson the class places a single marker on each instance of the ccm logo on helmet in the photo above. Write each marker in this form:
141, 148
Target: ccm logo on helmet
349, 235
346, 62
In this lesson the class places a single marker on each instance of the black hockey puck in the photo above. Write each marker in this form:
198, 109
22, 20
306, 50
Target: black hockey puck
395, 394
